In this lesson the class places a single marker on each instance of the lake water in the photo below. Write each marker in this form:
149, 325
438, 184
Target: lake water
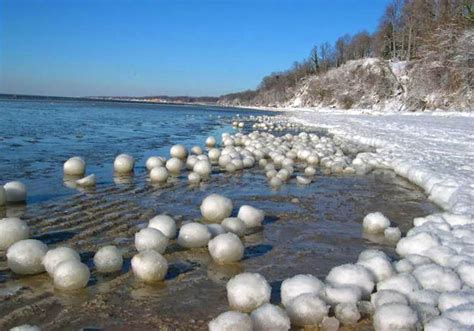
308, 229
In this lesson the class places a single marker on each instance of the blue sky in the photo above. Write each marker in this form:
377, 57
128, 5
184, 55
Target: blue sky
181, 47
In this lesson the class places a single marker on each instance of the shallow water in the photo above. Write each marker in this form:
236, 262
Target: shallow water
308, 229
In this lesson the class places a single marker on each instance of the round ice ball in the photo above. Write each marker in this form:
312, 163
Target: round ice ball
270, 317
194, 178
165, 224
149, 266
12, 229
159, 175
215, 207
351, 274
299, 284
124, 163
174, 165
375, 223
226, 248
25, 257
342, 294
347, 313
150, 239
210, 141
395, 316
307, 309
15, 191
71, 275
3, 196
214, 154
251, 216
108, 259
196, 150
178, 151
58, 255
75, 166
202, 168
153, 162
193, 235
231, 321
248, 291
234, 225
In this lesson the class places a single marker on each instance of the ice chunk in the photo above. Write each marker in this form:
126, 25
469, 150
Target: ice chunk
351, 274
387, 296
435, 277
342, 294
395, 316
25, 257
307, 310
12, 229
379, 266
403, 283
270, 317
416, 244
465, 270
375, 223
347, 313
248, 291
71, 275
251, 216
231, 321
299, 284
226, 248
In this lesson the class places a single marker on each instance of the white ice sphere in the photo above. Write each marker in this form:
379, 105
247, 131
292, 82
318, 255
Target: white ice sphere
275, 182
203, 168
270, 317
307, 309
383, 297
226, 248
215, 229
403, 283
12, 229
15, 191
248, 291
149, 266
58, 255
379, 266
352, 274
428, 297
178, 151
165, 224
395, 317
299, 284
309, 171
465, 270
124, 163
251, 216
108, 259
214, 154
448, 300
87, 181
151, 239
174, 165
26, 327
159, 175
193, 235
215, 208
303, 180
3, 196
197, 150
375, 223
437, 278
210, 141
347, 313
71, 275
342, 294
75, 166
392, 234
234, 225
417, 243
463, 314
370, 253
231, 321
25, 257
153, 162
194, 178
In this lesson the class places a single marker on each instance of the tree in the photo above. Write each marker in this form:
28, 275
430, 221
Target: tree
314, 58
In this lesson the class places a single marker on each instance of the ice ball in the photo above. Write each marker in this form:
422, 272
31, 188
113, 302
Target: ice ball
248, 291
15, 191
153, 162
174, 165
231, 321
108, 259
375, 223
251, 216
347, 313
193, 235
234, 225
299, 284
75, 166
165, 224
151, 239
159, 175
351, 274
307, 310
71, 275
215, 208
226, 248
124, 163
12, 229
178, 151
270, 317
25, 257
395, 316
202, 168
58, 255
149, 266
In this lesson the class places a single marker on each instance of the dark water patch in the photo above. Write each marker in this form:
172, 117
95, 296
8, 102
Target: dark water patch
256, 251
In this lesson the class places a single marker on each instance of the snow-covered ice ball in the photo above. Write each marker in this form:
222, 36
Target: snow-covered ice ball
428, 297
416, 244
403, 283
193, 235
448, 300
375, 223
194, 178
395, 317
159, 175
465, 270
151, 239
299, 284
270, 317
210, 141
379, 266
165, 224
3, 196
124, 163
149, 266
234, 225
463, 314
342, 294
178, 151
197, 150
275, 182
370, 253
202, 168
392, 234
153, 162
251, 216
248, 291
87, 181
387, 296
307, 309
352, 274
71, 275
437, 278
174, 165
75, 166
231, 321
214, 154
226, 248
26, 327
15, 191
309, 171
215, 229
12, 229
58, 255
215, 208
108, 259
347, 313
25, 257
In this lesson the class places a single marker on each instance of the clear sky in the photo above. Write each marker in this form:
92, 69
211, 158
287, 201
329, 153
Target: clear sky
181, 47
